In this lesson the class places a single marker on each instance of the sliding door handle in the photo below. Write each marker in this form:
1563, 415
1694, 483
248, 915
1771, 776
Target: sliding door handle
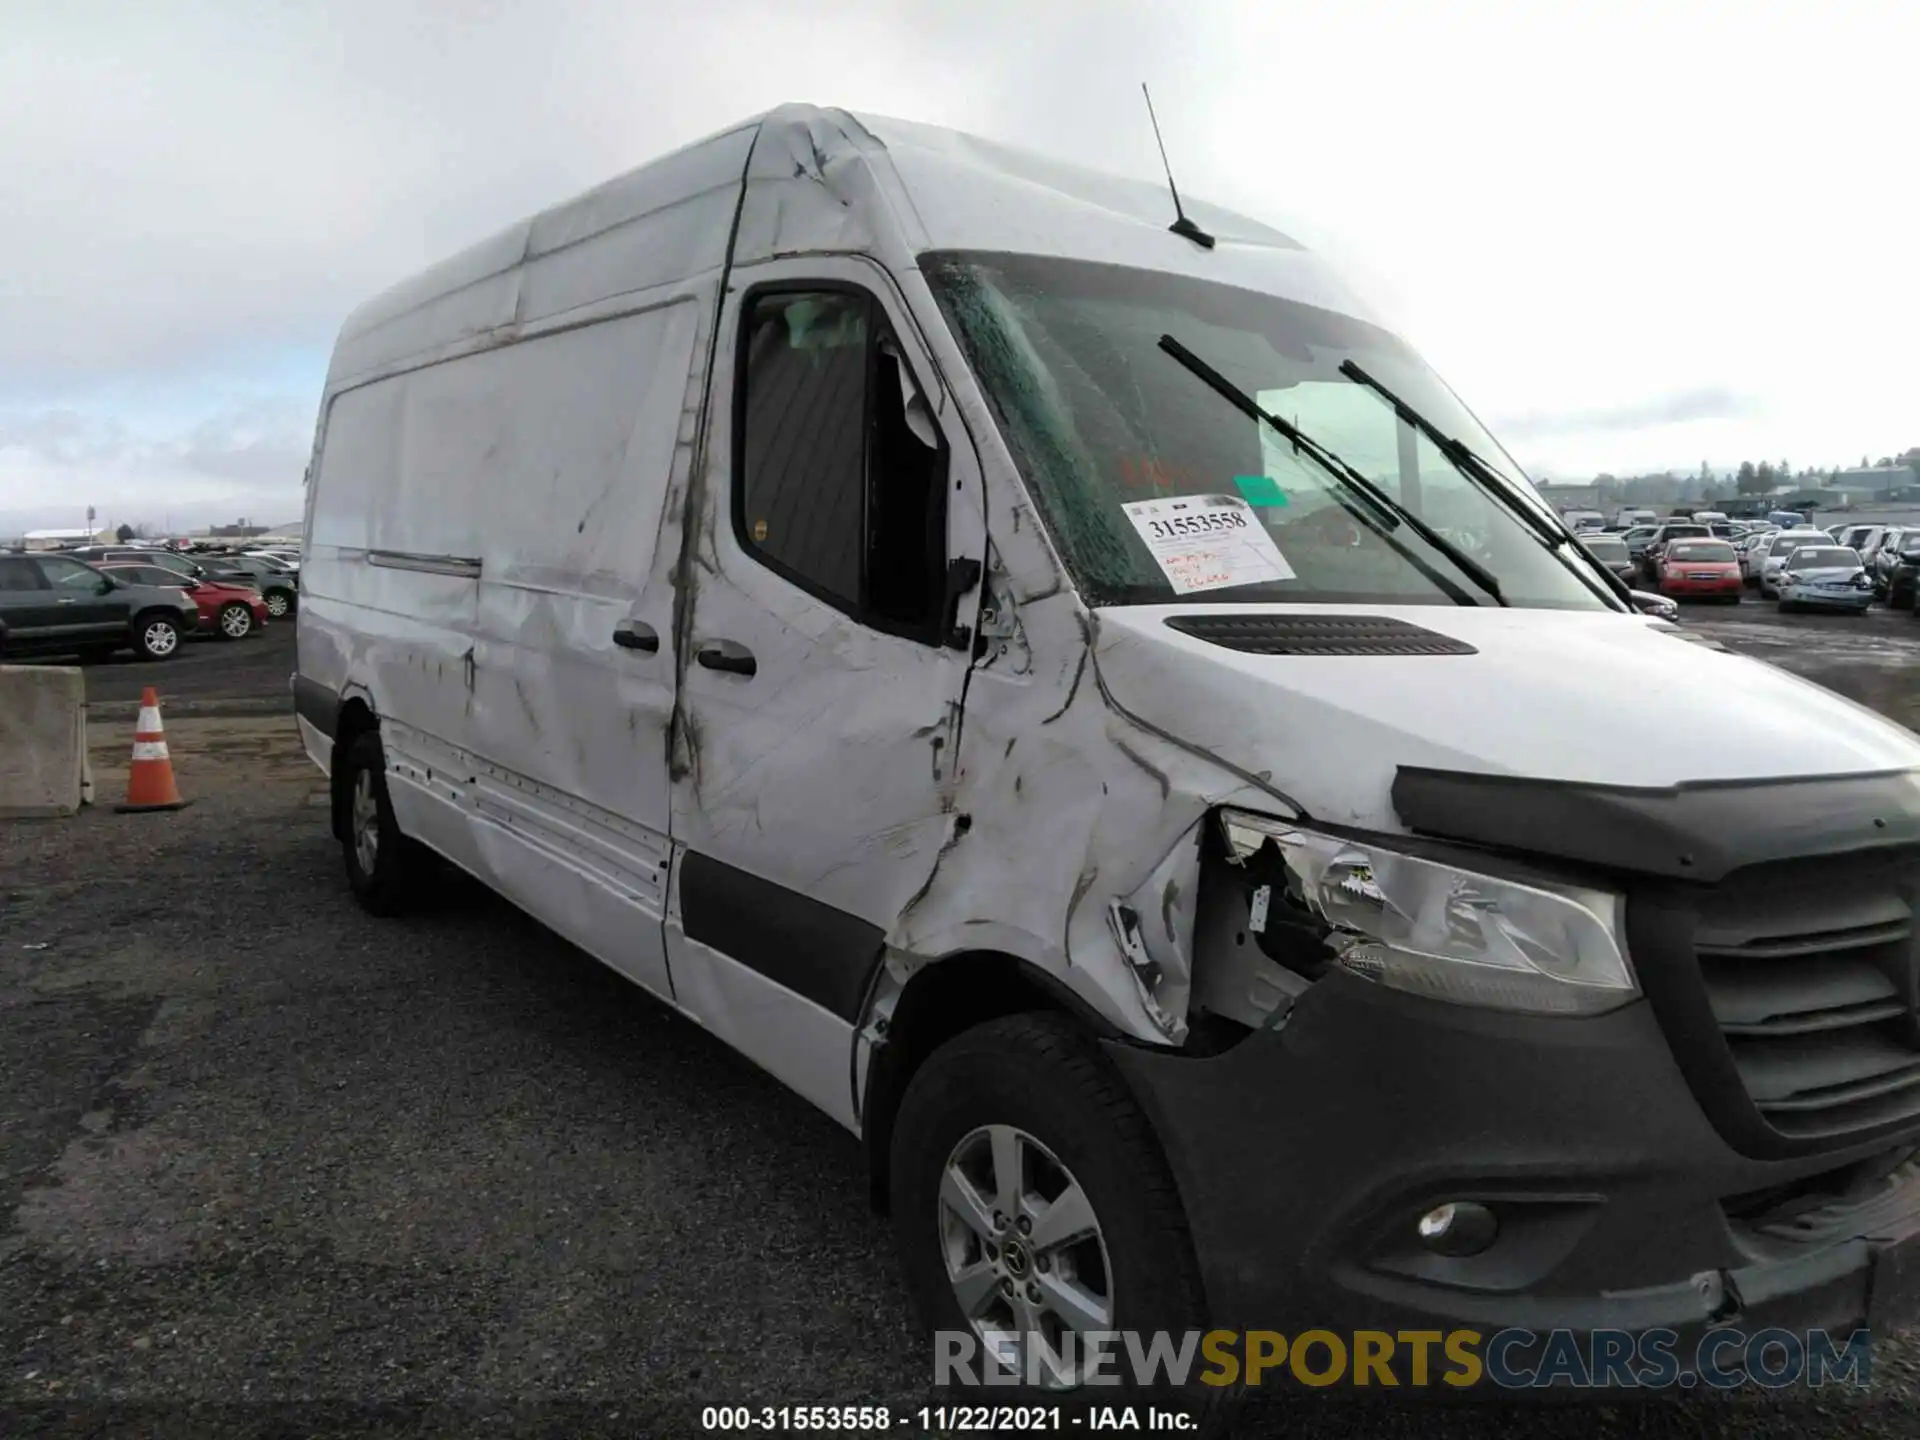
727, 655
634, 635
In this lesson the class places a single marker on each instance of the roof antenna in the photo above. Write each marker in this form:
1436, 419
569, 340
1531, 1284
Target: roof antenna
1181, 226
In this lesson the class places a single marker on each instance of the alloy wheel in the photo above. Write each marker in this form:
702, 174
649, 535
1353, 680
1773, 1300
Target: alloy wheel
1024, 1253
366, 822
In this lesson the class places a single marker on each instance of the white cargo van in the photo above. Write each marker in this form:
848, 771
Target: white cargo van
1087, 708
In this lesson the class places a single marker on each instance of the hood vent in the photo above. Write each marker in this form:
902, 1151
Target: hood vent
1318, 635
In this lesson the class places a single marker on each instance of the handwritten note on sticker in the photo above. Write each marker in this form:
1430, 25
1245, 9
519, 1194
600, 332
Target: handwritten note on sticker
1207, 542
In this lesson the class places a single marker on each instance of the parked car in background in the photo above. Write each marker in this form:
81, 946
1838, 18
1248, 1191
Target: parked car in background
228, 610
1636, 538
1894, 568
1823, 577
1880, 556
1664, 536
1628, 516
1703, 569
56, 605
1780, 548
276, 584
1611, 551
1860, 539
1791, 520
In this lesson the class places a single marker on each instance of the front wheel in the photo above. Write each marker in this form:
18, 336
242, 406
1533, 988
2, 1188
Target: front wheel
236, 621
1032, 1202
156, 637
279, 603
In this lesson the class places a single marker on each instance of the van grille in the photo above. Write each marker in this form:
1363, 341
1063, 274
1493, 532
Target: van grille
1807, 974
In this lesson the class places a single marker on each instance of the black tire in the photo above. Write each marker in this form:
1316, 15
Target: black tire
391, 884
279, 602
1040, 1074
156, 636
235, 621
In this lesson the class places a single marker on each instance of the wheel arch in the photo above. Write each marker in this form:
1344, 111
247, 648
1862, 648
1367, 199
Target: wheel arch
355, 718
938, 1002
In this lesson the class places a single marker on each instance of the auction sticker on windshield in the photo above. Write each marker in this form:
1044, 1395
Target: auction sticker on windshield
1207, 542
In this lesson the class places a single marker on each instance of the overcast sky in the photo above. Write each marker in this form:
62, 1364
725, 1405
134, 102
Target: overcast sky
1632, 235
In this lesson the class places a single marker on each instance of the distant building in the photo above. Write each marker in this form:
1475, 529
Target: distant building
1875, 480
55, 539
235, 532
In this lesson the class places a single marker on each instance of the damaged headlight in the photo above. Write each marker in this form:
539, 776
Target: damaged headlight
1432, 929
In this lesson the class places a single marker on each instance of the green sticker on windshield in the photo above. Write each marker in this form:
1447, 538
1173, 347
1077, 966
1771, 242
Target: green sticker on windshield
1260, 490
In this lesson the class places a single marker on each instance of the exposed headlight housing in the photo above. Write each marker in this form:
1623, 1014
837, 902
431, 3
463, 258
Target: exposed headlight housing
1433, 929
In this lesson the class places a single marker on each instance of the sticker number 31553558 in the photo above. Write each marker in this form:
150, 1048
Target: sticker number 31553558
1207, 542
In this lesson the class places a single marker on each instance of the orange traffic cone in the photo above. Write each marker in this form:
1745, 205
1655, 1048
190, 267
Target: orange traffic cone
150, 780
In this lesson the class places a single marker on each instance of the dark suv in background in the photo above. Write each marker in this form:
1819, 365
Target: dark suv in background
57, 605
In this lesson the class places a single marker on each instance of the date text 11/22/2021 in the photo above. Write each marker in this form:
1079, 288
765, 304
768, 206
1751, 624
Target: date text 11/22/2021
944, 1419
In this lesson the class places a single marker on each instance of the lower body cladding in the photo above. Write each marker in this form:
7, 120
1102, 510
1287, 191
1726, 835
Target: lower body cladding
1307, 1155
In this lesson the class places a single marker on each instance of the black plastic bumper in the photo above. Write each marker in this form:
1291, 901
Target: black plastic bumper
1306, 1155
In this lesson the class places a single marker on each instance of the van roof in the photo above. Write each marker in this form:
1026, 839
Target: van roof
816, 181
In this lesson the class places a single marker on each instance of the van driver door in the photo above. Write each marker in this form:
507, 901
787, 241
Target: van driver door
820, 694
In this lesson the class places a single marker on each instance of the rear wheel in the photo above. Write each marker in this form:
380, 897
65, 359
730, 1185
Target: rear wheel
384, 868
236, 621
279, 603
156, 637
1032, 1202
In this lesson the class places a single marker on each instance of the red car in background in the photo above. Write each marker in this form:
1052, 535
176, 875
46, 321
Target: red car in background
230, 611
1700, 570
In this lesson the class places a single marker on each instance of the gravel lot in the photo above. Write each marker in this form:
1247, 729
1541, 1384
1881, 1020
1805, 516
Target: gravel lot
270, 1166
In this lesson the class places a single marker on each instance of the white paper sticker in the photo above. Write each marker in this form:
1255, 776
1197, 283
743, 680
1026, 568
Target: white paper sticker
1205, 542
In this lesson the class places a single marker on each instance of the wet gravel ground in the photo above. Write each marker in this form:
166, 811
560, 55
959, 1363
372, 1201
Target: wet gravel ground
271, 1166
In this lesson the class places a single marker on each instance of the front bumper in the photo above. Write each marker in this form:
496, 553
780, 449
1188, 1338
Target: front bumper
1702, 589
1305, 1156
1825, 599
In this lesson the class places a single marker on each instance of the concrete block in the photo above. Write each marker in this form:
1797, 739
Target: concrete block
43, 740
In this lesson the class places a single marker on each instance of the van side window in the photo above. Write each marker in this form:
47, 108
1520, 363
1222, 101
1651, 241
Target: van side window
840, 481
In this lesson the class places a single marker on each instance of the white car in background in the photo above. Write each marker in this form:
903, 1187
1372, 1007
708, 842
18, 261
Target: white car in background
1780, 546
1829, 577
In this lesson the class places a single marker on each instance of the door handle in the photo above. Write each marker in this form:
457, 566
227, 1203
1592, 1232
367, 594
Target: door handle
65, 600
726, 655
634, 635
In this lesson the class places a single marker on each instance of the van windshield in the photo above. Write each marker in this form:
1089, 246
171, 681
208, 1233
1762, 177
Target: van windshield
1099, 417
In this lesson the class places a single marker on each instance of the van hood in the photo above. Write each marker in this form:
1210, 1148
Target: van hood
1591, 697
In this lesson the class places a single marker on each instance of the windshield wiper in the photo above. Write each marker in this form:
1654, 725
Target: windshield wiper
1490, 481
1389, 513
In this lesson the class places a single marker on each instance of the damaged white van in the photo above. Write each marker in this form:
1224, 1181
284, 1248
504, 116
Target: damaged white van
1084, 705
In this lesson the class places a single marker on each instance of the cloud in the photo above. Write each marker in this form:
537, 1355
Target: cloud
1681, 408
184, 191
247, 457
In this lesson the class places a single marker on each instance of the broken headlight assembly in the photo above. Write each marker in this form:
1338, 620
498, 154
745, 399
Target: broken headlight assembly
1426, 927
